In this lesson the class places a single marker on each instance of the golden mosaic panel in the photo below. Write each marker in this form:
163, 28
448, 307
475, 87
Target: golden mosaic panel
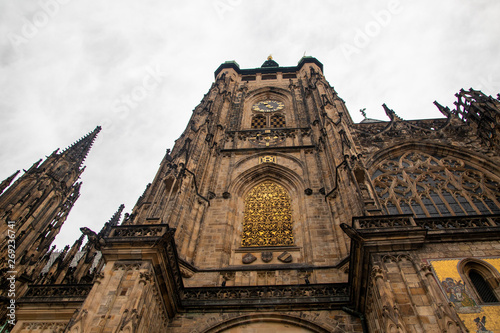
446, 269
487, 317
494, 262
451, 282
267, 216
488, 320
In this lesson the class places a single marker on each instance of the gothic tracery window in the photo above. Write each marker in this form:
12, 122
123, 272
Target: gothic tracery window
424, 185
267, 216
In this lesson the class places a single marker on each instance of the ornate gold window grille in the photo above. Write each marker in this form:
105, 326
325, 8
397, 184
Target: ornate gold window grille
268, 121
424, 185
267, 216
259, 121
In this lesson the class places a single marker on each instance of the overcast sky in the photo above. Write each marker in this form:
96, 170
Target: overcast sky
139, 68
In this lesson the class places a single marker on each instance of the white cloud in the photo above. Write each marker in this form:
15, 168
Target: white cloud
66, 78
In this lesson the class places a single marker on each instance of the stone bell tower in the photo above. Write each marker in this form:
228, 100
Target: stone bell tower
243, 215
255, 178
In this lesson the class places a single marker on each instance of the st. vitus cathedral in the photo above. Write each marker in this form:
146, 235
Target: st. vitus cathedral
273, 212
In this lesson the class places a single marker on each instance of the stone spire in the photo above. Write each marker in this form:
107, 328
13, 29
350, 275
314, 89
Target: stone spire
39, 203
113, 221
79, 150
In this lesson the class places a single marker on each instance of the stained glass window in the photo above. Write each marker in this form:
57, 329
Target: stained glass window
424, 185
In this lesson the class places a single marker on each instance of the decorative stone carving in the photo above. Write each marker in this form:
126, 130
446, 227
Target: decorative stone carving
267, 138
144, 277
249, 258
266, 256
59, 290
260, 294
54, 326
285, 257
267, 159
127, 266
377, 272
228, 276
138, 231
186, 273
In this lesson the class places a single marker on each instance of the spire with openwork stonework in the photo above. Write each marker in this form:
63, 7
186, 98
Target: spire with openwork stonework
79, 150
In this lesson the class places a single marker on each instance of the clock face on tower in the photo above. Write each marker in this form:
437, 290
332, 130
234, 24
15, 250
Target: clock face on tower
268, 106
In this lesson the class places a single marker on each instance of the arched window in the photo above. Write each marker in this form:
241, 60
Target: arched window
259, 121
277, 121
482, 287
482, 279
424, 185
268, 121
267, 216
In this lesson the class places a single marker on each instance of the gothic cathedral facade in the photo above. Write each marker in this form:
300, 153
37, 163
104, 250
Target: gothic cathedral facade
275, 212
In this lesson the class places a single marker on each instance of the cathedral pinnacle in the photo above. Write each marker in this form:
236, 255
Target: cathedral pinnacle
444, 110
79, 150
6, 182
113, 221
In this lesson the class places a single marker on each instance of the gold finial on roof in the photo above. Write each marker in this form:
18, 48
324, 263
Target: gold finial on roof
270, 57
